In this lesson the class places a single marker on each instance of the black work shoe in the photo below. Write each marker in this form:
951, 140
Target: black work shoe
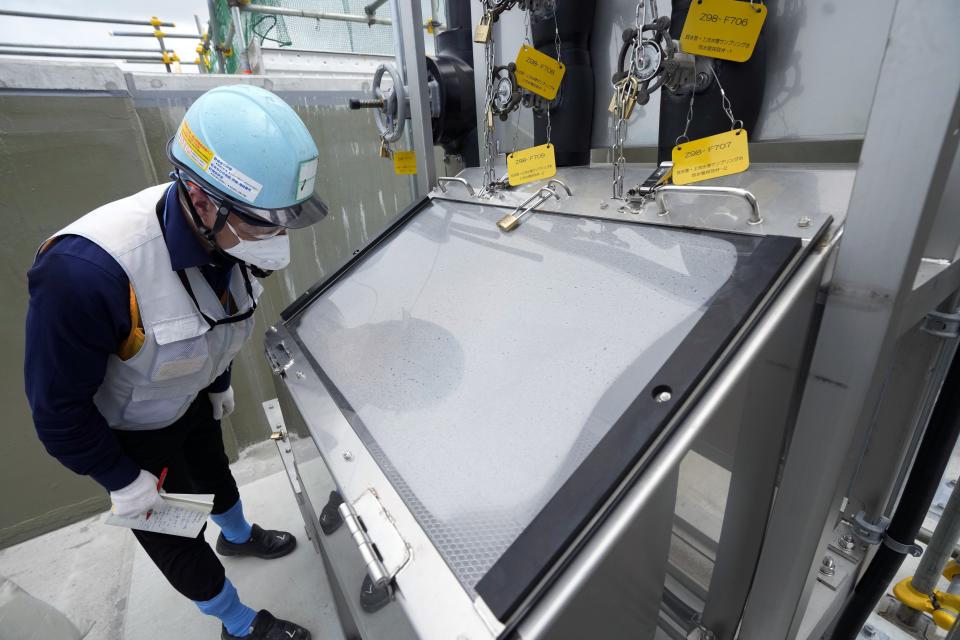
266, 627
263, 543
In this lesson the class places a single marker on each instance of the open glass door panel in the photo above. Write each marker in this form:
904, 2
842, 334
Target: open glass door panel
507, 383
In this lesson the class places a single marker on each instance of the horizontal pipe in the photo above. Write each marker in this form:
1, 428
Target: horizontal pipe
58, 16
163, 34
59, 54
318, 15
77, 48
160, 61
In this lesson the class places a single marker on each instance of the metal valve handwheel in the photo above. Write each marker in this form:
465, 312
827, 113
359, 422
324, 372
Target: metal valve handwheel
506, 92
647, 56
391, 116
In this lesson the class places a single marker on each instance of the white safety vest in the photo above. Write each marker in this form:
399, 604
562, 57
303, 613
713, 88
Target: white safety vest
180, 355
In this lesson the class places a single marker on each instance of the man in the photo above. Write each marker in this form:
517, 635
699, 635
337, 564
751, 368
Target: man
136, 312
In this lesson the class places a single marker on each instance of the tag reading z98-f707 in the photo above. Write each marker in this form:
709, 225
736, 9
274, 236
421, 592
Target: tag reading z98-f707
539, 73
711, 157
726, 29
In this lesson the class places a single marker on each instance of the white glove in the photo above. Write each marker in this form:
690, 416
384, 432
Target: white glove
223, 403
138, 497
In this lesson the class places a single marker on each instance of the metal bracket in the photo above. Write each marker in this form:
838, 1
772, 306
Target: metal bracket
278, 356
868, 532
942, 325
871, 533
911, 549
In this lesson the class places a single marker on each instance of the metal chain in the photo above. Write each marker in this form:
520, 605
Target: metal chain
556, 43
490, 151
527, 38
621, 92
725, 102
686, 127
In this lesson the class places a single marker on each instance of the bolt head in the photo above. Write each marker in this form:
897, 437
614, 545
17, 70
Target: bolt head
347, 456
869, 631
804, 222
663, 396
847, 542
828, 566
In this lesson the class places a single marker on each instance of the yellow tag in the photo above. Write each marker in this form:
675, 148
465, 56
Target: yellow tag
711, 157
724, 29
193, 147
539, 72
535, 163
404, 163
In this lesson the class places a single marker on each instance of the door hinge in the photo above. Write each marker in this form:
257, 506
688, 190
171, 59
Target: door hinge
382, 549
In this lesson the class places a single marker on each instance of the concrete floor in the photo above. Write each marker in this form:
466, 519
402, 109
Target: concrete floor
100, 578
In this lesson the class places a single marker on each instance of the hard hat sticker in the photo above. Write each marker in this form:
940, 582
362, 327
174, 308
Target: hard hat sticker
234, 179
306, 178
193, 147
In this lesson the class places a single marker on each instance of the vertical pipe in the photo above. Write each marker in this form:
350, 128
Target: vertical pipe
241, 39
935, 556
204, 45
163, 49
402, 68
954, 631
932, 458
215, 41
411, 19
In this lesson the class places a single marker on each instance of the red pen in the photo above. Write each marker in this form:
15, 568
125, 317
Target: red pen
163, 476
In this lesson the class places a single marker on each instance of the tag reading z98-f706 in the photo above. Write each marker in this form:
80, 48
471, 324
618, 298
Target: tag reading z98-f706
711, 157
726, 29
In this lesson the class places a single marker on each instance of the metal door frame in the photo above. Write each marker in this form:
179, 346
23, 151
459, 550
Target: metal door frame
881, 287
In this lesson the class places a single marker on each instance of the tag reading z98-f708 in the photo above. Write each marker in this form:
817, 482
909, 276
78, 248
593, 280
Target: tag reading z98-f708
539, 73
726, 29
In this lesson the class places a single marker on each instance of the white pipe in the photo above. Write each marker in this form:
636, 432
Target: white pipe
318, 15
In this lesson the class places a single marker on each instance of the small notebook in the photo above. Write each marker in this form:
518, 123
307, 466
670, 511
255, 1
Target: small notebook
183, 514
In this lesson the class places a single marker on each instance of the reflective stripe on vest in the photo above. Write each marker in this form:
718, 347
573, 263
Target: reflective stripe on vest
151, 385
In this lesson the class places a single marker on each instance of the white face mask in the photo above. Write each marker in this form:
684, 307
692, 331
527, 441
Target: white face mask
271, 254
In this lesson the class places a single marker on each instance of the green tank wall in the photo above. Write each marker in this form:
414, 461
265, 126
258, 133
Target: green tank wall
65, 153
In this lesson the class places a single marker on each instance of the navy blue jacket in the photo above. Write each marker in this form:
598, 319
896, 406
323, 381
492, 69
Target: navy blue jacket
78, 315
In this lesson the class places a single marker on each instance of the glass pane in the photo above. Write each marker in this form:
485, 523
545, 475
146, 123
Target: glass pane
497, 362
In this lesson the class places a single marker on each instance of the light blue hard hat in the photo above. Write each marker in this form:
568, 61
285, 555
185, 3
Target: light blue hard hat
251, 152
